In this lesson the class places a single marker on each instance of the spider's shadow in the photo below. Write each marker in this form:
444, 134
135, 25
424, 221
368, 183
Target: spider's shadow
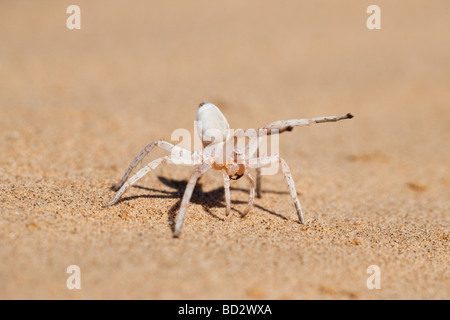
211, 199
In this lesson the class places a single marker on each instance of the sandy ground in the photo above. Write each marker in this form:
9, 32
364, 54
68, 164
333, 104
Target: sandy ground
77, 106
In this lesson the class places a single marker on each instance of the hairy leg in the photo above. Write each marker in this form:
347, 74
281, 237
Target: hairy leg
290, 181
199, 171
287, 125
293, 192
258, 182
175, 150
149, 167
252, 192
226, 183
277, 127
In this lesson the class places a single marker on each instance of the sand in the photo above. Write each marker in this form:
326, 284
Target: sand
76, 106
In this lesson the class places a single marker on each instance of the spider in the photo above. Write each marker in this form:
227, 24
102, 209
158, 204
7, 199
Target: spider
220, 152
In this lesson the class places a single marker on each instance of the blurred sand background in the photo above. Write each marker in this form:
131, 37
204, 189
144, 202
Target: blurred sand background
77, 106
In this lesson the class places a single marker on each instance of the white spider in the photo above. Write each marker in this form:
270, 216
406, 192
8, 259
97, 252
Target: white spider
220, 152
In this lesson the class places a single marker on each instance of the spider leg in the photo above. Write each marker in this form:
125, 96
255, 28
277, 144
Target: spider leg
288, 125
281, 126
258, 175
199, 171
258, 182
252, 192
158, 143
290, 182
149, 167
226, 184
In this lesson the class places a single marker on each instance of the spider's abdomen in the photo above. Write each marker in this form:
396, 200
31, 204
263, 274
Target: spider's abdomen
212, 125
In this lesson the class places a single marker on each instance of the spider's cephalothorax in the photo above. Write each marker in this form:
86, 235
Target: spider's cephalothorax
220, 152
